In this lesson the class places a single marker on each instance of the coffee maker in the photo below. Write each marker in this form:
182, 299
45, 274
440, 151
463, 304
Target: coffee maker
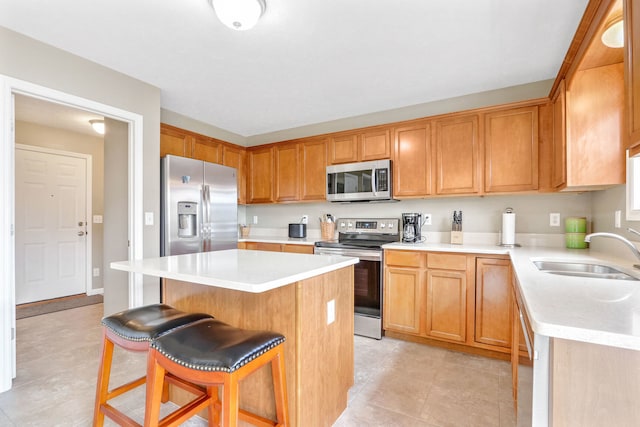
411, 226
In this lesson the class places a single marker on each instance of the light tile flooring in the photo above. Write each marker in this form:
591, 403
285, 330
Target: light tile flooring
397, 383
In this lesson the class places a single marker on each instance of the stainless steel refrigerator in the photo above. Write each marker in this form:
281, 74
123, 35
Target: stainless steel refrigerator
199, 206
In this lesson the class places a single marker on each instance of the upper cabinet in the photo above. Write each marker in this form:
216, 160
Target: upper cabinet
286, 172
235, 157
412, 160
179, 142
457, 147
313, 169
632, 70
260, 173
589, 109
374, 144
511, 150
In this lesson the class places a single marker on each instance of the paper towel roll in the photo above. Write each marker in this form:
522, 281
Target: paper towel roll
508, 228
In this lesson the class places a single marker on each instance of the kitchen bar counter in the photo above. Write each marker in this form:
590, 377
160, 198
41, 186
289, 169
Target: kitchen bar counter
307, 298
596, 311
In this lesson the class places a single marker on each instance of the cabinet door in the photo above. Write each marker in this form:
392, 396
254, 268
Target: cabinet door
559, 165
457, 148
313, 170
298, 249
412, 164
236, 158
207, 149
446, 305
402, 297
286, 172
511, 150
260, 175
493, 302
632, 70
174, 142
343, 149
375, 145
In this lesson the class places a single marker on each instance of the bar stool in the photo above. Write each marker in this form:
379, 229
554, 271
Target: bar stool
133, 330
212, 353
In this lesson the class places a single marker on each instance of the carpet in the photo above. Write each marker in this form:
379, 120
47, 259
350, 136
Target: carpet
36, 309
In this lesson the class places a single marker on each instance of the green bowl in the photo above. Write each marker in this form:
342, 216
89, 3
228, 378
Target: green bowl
575, 225
575, 240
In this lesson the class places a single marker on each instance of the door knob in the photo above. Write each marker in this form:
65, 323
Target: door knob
80, 233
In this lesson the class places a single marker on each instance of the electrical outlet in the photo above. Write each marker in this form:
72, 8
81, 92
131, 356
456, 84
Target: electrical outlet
96, 272
426, 218
331, 312
255, 219
305, 219
554, 219
617, 219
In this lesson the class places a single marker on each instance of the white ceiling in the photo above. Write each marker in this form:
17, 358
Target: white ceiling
308, 61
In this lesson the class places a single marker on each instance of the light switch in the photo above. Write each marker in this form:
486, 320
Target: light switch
148, 218
97, 219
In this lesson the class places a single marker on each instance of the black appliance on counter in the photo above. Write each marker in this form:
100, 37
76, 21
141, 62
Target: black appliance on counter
363, 238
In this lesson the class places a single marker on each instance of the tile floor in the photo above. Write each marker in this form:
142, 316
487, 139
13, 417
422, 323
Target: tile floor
397, 383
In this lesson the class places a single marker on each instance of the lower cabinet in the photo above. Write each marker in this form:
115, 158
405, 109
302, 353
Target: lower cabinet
276, 247
458, 298
493, 302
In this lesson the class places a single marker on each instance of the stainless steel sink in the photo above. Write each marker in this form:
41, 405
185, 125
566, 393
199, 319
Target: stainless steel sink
582, 269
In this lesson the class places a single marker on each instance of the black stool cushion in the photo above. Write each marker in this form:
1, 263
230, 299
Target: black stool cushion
210, 345
149, 322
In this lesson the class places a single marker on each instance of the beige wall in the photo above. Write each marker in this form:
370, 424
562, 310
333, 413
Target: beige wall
480, 214
36, 62
64, 140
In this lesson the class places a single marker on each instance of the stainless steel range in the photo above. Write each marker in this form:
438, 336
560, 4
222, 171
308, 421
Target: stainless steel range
363, 238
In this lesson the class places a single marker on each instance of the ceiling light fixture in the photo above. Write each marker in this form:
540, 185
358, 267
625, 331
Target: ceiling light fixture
98, 126
613, 35
239, 15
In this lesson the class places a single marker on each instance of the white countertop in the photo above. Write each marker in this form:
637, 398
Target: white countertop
242, 270
599, 311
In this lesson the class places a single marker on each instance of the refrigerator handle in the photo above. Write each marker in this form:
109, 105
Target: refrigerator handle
206, 200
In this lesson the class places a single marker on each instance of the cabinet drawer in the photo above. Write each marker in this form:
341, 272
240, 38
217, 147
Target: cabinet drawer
404, 258
446, 261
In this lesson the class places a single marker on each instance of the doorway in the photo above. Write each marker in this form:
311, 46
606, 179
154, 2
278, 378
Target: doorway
8, 88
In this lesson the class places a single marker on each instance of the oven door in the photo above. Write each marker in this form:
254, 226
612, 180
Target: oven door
367, 284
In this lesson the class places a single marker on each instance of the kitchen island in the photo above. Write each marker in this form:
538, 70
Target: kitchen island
307, 298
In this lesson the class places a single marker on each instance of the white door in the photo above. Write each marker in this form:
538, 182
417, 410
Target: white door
51, 225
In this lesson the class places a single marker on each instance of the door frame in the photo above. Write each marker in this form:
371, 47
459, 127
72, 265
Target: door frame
88, 250
8, 87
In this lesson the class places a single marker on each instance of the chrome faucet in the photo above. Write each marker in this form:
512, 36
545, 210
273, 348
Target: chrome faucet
627, 242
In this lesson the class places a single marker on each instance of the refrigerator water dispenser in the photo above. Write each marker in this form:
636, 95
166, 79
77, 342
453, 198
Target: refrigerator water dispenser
187, 219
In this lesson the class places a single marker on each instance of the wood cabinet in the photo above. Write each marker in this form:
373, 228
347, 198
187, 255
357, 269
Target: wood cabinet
457, 147
286, 172
313, 170
511, 150
179, 142
373, 144
260, 182
276, 247
446, 297
559, 150
403, 291
595, 155
493, 302
412, 160
235, 157
632, 70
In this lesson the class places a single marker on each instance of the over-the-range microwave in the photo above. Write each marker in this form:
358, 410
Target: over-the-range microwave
359, 182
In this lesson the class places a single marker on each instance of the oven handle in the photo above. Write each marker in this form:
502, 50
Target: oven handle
363, 255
